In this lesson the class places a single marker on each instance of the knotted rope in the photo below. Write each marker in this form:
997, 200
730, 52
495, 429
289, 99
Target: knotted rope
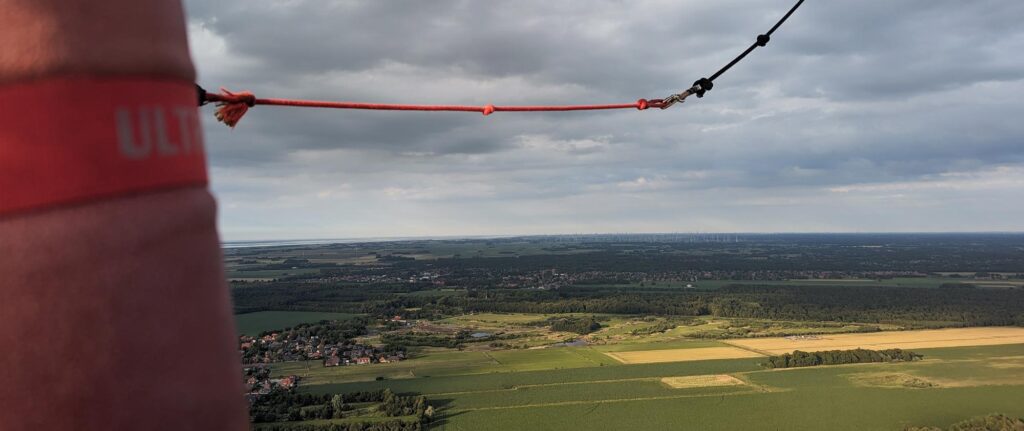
232, 106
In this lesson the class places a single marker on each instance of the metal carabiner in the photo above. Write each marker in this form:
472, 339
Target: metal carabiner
676, 98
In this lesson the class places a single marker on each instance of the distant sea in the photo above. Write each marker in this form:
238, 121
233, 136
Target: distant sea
294, 242
638, 237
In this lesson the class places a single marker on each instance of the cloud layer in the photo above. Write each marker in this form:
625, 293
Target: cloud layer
858, 116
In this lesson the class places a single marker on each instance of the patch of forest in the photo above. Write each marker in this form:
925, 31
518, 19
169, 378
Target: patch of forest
579, 325
864, 304
837, 357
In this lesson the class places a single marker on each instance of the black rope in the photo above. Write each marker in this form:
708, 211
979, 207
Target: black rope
784, 18
201, 93
762, 40
704, 85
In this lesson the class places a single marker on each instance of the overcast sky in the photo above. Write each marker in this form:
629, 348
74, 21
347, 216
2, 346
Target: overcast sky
864, 115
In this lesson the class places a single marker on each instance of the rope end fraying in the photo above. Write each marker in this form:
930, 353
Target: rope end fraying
231, 106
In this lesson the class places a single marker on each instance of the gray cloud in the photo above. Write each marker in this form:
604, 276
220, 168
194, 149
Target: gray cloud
919, 98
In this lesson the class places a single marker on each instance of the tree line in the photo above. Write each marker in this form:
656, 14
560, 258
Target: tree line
390, 425
836, 357
287, 406
951, 253
925, 307
916, 307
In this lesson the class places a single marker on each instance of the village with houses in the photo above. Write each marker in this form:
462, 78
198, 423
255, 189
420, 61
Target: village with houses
257, 382
277, 347
332, 343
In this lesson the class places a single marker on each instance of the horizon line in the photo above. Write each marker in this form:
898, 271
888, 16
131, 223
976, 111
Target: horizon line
328, 240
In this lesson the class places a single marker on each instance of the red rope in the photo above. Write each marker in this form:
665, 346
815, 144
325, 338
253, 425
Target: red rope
232, 106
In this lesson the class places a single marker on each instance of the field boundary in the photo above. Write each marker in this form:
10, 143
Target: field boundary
616, 400
542, 385
682, 355
702, 381
492, 358
750, 349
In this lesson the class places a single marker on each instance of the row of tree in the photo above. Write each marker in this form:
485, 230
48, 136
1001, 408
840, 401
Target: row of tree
836, 357
391, 425
328, 331
287, 406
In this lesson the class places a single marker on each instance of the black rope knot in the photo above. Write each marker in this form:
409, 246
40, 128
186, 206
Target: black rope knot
201, 92
702, 86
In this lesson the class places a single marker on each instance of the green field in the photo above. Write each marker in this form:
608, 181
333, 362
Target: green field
447, 363
476, 383
254, 323
474, 391
802, 409
479, 359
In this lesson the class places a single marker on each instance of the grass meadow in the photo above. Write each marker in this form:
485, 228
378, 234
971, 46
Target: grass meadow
967, 381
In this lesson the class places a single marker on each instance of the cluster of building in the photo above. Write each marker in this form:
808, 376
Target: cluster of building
257, 382
359, 354
275, 348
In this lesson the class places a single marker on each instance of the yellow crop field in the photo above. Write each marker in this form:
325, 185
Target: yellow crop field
931, 338
680, 355
704, 381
